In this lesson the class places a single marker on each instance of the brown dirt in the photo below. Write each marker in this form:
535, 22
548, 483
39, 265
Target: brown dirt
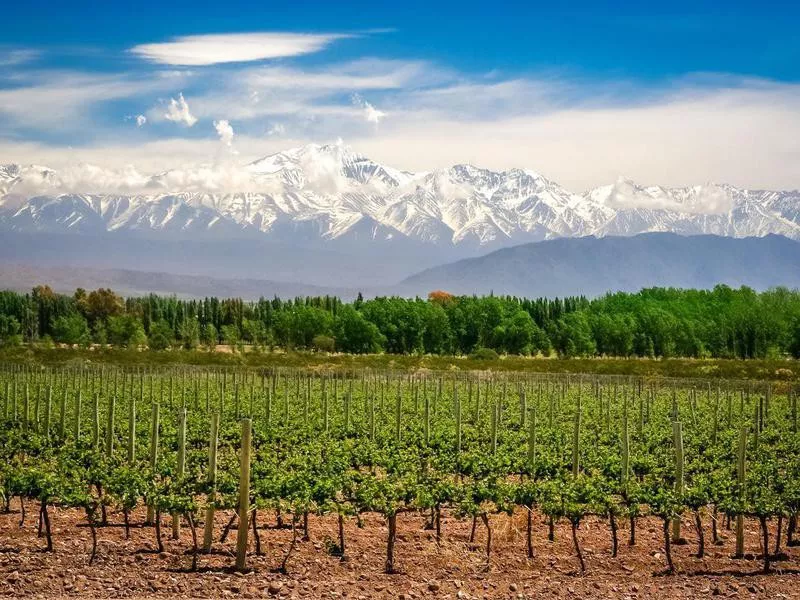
455, 569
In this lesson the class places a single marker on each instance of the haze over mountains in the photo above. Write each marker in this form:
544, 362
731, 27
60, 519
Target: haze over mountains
324, 215
588, 266
593, 266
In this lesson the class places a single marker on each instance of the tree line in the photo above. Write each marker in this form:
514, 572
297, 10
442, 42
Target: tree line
656, 322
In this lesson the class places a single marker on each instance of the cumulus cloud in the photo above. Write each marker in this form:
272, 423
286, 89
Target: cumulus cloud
745, 133
224, 131
79, 178
579, 133
625, 194
140, 120
178, 112
371, 114
199, 50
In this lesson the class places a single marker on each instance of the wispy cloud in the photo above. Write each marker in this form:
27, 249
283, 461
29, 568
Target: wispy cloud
200, 50
579, 132
65, 100
277, 130
18, 56
271, 92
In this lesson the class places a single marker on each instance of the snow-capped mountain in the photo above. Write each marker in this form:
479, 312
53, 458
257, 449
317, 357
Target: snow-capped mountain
324, 193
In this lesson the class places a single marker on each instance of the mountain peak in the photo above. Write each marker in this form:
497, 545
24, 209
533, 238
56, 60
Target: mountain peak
328, 191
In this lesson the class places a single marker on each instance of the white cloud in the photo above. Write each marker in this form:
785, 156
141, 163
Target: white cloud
140, 120
66, 100
12, 58
278, 91
178, 112
747, 135
578, 133
198, 50
80, 178
371, 114
224, 131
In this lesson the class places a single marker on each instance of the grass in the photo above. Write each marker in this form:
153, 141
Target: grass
759, 370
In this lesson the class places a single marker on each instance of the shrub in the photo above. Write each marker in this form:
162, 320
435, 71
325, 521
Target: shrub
484, 354
323, 343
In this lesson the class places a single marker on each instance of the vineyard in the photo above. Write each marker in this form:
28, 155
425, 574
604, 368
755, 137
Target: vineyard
209, 459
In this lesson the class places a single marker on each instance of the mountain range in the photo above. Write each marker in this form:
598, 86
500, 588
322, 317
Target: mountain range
562, 267
594, 266
326, 215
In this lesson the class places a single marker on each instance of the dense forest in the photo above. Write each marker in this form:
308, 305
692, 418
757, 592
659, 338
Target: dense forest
657, 322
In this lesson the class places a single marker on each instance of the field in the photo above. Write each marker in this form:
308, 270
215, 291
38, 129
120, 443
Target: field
367, 482
778, 370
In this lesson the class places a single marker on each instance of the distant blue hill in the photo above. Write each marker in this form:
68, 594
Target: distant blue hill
594, 266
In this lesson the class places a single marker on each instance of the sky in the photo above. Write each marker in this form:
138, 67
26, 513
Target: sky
676, 93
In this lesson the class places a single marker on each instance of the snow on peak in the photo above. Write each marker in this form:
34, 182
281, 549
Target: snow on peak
335, 192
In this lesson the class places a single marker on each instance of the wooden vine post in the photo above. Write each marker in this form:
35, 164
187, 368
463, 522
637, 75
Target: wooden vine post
493, 406
208, 533
132, 430
677, 434
96, 422
372, 416
62, 414
427, 423
347, 399
625, 444
740, 478
48, 407
325, 409
153, 453
176, 518
110, 427
76, 426
458, 426
532, 442
26, 415
576, 438
398, 414
244, 496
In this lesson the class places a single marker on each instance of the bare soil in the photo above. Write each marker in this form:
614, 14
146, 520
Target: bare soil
132, 568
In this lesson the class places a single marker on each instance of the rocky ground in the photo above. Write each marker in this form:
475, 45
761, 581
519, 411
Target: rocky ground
131, 568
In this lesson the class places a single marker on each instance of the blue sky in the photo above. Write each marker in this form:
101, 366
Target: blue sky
669, 93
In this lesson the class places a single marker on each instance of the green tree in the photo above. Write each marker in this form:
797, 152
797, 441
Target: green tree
573, 336
231, 336
189, 333
160, 337
209, 336
9, 331
125, 331
71, 329
355, 334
